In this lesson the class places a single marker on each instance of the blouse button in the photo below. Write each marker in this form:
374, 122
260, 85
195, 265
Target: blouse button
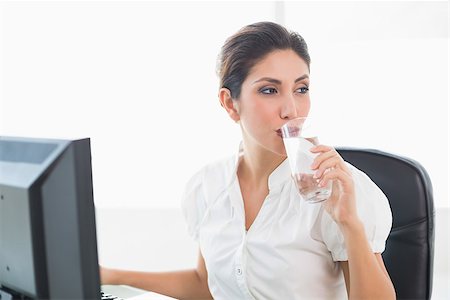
239, 271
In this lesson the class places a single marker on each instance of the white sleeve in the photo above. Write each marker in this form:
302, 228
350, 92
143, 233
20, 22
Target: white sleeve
374, 212
193, 204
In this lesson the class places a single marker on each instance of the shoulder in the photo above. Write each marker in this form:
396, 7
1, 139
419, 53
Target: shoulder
202, 188
366, 189
373, 210
208, 182
213, 175
371, 201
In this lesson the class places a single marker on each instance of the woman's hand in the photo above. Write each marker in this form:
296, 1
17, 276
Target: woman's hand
329, 165
108, 276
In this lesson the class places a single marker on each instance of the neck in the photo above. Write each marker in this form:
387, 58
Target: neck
257, 164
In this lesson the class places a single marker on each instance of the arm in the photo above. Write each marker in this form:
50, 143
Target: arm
186, 284
365, 274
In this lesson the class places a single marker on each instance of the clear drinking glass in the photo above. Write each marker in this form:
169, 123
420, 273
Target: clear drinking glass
299, 137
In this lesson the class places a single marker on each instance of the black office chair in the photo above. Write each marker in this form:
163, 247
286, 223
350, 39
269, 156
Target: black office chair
410, 246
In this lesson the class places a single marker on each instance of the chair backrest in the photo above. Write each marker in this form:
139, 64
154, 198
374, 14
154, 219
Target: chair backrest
410, 246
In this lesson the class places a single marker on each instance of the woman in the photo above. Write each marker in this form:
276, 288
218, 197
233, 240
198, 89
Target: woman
258, 239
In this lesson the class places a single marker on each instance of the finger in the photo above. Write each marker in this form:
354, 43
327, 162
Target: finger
335, 190
334, 162
328, 155
337, 174
321, 157
321, 148
328, 164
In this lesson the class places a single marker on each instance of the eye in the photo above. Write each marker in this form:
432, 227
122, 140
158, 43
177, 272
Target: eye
268, 90
303, 90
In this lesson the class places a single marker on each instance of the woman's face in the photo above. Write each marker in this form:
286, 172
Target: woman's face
275, 91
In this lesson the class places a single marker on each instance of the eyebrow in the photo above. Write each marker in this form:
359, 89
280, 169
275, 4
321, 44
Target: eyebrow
276, 81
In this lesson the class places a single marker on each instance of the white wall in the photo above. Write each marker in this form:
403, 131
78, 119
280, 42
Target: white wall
138, 78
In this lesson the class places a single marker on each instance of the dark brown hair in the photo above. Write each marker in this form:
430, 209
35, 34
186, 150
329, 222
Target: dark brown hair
248, 46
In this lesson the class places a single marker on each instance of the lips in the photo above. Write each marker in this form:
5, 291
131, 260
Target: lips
292, 131
278, 131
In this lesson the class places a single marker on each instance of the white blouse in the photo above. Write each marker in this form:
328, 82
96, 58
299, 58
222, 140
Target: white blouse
292, 248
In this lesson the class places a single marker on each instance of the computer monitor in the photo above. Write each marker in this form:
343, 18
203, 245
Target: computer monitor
48, 245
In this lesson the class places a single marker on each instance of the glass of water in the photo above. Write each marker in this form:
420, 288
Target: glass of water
299, 137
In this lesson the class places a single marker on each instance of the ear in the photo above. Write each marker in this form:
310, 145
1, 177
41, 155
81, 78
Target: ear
230, 105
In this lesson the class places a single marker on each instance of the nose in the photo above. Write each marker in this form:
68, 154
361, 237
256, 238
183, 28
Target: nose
289, 109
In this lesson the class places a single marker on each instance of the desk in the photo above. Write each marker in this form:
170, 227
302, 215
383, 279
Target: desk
131, 293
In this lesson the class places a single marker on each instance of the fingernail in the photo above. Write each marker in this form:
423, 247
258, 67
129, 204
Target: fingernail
316, 175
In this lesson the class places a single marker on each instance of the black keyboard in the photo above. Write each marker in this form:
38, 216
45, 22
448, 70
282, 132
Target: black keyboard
106, 296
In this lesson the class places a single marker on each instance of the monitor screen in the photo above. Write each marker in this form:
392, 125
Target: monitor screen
48, 245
